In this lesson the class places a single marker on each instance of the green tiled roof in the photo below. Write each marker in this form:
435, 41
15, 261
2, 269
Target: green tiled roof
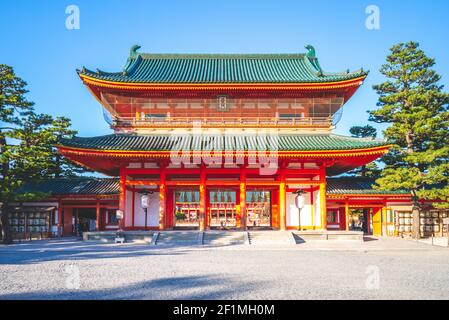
75, 186
356, 185
222, 68
335, 186
130, 142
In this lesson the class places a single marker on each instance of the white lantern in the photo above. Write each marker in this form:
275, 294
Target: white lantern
145, 201
300, 201
119, 214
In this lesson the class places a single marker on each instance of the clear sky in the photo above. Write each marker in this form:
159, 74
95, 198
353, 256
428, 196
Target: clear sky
36, 42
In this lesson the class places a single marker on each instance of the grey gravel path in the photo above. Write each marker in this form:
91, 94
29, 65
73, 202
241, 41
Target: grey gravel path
385, 269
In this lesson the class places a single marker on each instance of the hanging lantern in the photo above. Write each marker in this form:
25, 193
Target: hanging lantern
145, 199
300, 199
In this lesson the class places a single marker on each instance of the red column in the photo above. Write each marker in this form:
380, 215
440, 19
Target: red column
347, 215
122, 200
162, 199
98, 215
368, 221
323, 207
243, 216
203, 209
282, 203
133, 208
60, 212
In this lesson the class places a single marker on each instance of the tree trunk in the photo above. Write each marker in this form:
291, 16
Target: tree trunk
416, 213
4, 222
409, 140
363, 171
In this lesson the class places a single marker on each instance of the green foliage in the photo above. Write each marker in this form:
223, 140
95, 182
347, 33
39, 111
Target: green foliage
12, 96
413, 103
27, 139
61, 167
370, 170
363, 132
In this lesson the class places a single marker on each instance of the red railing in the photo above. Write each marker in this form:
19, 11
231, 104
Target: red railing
223, 121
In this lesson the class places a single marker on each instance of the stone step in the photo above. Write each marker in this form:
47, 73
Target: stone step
224, 238
110, 236
179, 237
318, 235
270, 238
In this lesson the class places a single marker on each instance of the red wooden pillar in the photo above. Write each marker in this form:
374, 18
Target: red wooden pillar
203, 209
122, 200
133, 207
342, 215
98, 215
347, 215
60, 213
169, 209
243, 213
162, 199
282, 202
312, 208
323, 207
368, 221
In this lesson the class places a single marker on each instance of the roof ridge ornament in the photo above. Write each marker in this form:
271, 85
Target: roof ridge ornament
133, 55
311, 53
133, 51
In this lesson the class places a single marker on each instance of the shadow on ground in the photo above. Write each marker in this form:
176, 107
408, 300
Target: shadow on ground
174, 288
54, 250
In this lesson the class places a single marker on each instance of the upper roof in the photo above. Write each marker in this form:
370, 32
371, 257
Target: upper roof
281, 142
221, 68
74, 186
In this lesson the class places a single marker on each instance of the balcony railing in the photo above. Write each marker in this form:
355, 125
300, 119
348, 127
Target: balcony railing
174, 122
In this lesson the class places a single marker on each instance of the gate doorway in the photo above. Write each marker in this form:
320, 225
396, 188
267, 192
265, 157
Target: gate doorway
223, 209
187, 209
84, 220
258, 209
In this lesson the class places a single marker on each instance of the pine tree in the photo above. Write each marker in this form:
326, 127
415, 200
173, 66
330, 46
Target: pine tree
62, 167
413, 103
27, 152
370, 170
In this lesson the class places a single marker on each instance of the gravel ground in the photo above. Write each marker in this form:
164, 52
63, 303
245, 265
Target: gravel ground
384, 269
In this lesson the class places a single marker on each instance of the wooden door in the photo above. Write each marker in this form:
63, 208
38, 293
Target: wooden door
377, 222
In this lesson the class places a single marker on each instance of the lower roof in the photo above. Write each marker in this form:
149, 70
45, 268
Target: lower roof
77, 186
357, 186
209, 142
110, 186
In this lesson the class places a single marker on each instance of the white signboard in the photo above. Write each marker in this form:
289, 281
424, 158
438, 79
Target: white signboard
119, 214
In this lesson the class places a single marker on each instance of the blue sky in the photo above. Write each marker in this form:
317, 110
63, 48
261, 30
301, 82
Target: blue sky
37, 44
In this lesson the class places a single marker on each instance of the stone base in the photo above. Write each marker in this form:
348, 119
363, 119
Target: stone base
109, 236
305, 236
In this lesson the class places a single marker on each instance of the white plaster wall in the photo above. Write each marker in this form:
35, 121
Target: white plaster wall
139, 213
128, 209
293, 211
317, 204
